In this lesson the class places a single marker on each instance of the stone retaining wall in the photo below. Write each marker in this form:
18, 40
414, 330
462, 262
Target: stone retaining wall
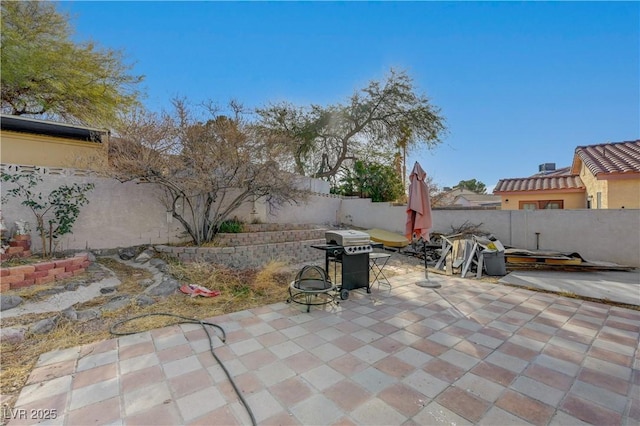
256, 237
249, 256
43, 272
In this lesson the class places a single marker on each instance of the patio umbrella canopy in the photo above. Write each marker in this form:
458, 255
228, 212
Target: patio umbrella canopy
419, 221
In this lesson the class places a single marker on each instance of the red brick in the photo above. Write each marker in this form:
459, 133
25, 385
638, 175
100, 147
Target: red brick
78, 260
21, 270
64, 275
24, 283
44, 266
86, 263
56, 271
4, 287
72, 268
14, 250
23, 244
37, 274
23, 237
63, 263
78, 272
12, 279
4, 272
45, 280
26, 253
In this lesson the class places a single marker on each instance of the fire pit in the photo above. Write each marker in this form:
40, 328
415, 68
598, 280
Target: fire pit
311, 287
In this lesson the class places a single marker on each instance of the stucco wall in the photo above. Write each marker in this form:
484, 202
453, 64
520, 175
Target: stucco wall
318, 208
22, 148
593, 187
117, 215
126, 214
623, 193
574, 200
611, 235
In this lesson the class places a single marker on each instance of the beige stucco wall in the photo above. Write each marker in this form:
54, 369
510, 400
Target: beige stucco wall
572, 200
126, 214
39, 150
623, 193
616, 192
611, 235
593, 186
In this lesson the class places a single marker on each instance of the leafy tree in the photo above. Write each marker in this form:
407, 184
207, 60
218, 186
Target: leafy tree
472, 185
55, 213
45, 73
207, 168
371, 180
367, 127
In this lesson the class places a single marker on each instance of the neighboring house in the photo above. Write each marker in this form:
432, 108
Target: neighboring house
611, 174
459, 197
603, 176
32, 142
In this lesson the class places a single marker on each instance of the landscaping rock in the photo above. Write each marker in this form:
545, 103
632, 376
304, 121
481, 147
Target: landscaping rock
88, 314
91, 257
146, 282
44, 326
8, 302
107, 290
166, 287
70, 313
117, 302
127, 253
12, 335
72, 286
50, 292
146, 255
159, 264
143, 300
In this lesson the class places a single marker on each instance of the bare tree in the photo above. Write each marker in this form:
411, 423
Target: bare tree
207, 167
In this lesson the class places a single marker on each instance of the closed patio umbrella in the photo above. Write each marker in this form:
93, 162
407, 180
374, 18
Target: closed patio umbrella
419, 221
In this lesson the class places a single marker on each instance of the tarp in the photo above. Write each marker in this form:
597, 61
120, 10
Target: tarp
419, 221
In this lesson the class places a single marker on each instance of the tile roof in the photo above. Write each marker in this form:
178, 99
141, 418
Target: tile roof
540, 183
610, 158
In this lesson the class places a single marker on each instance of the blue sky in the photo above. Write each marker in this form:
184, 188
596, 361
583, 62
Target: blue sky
520, 83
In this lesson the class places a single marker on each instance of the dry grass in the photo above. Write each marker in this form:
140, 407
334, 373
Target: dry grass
240, 290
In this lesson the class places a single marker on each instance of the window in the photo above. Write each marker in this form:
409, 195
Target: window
541, 204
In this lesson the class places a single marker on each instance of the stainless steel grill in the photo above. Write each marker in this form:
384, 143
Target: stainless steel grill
351, 249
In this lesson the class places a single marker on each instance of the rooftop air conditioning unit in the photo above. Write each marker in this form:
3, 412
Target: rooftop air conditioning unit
547, 167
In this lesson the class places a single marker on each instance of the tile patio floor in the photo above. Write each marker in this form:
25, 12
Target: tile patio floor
466, 353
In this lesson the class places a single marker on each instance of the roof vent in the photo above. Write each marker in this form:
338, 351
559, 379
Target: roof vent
547, 167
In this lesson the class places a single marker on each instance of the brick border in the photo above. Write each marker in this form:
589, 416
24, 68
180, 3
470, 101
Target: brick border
44, 272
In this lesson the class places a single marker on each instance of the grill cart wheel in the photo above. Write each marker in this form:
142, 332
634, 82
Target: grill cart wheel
311, 287
344, 294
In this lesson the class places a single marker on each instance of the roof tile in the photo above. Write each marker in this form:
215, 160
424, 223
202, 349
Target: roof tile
607, 158
539, 183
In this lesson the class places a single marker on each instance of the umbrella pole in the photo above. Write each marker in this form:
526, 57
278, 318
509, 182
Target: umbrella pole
427, 283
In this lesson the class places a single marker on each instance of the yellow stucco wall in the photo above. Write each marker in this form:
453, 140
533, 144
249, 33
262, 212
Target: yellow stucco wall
594, 186
623, 193
616, 192
572, 200
39, 150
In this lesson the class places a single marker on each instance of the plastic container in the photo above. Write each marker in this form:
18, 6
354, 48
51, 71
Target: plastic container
494, 262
